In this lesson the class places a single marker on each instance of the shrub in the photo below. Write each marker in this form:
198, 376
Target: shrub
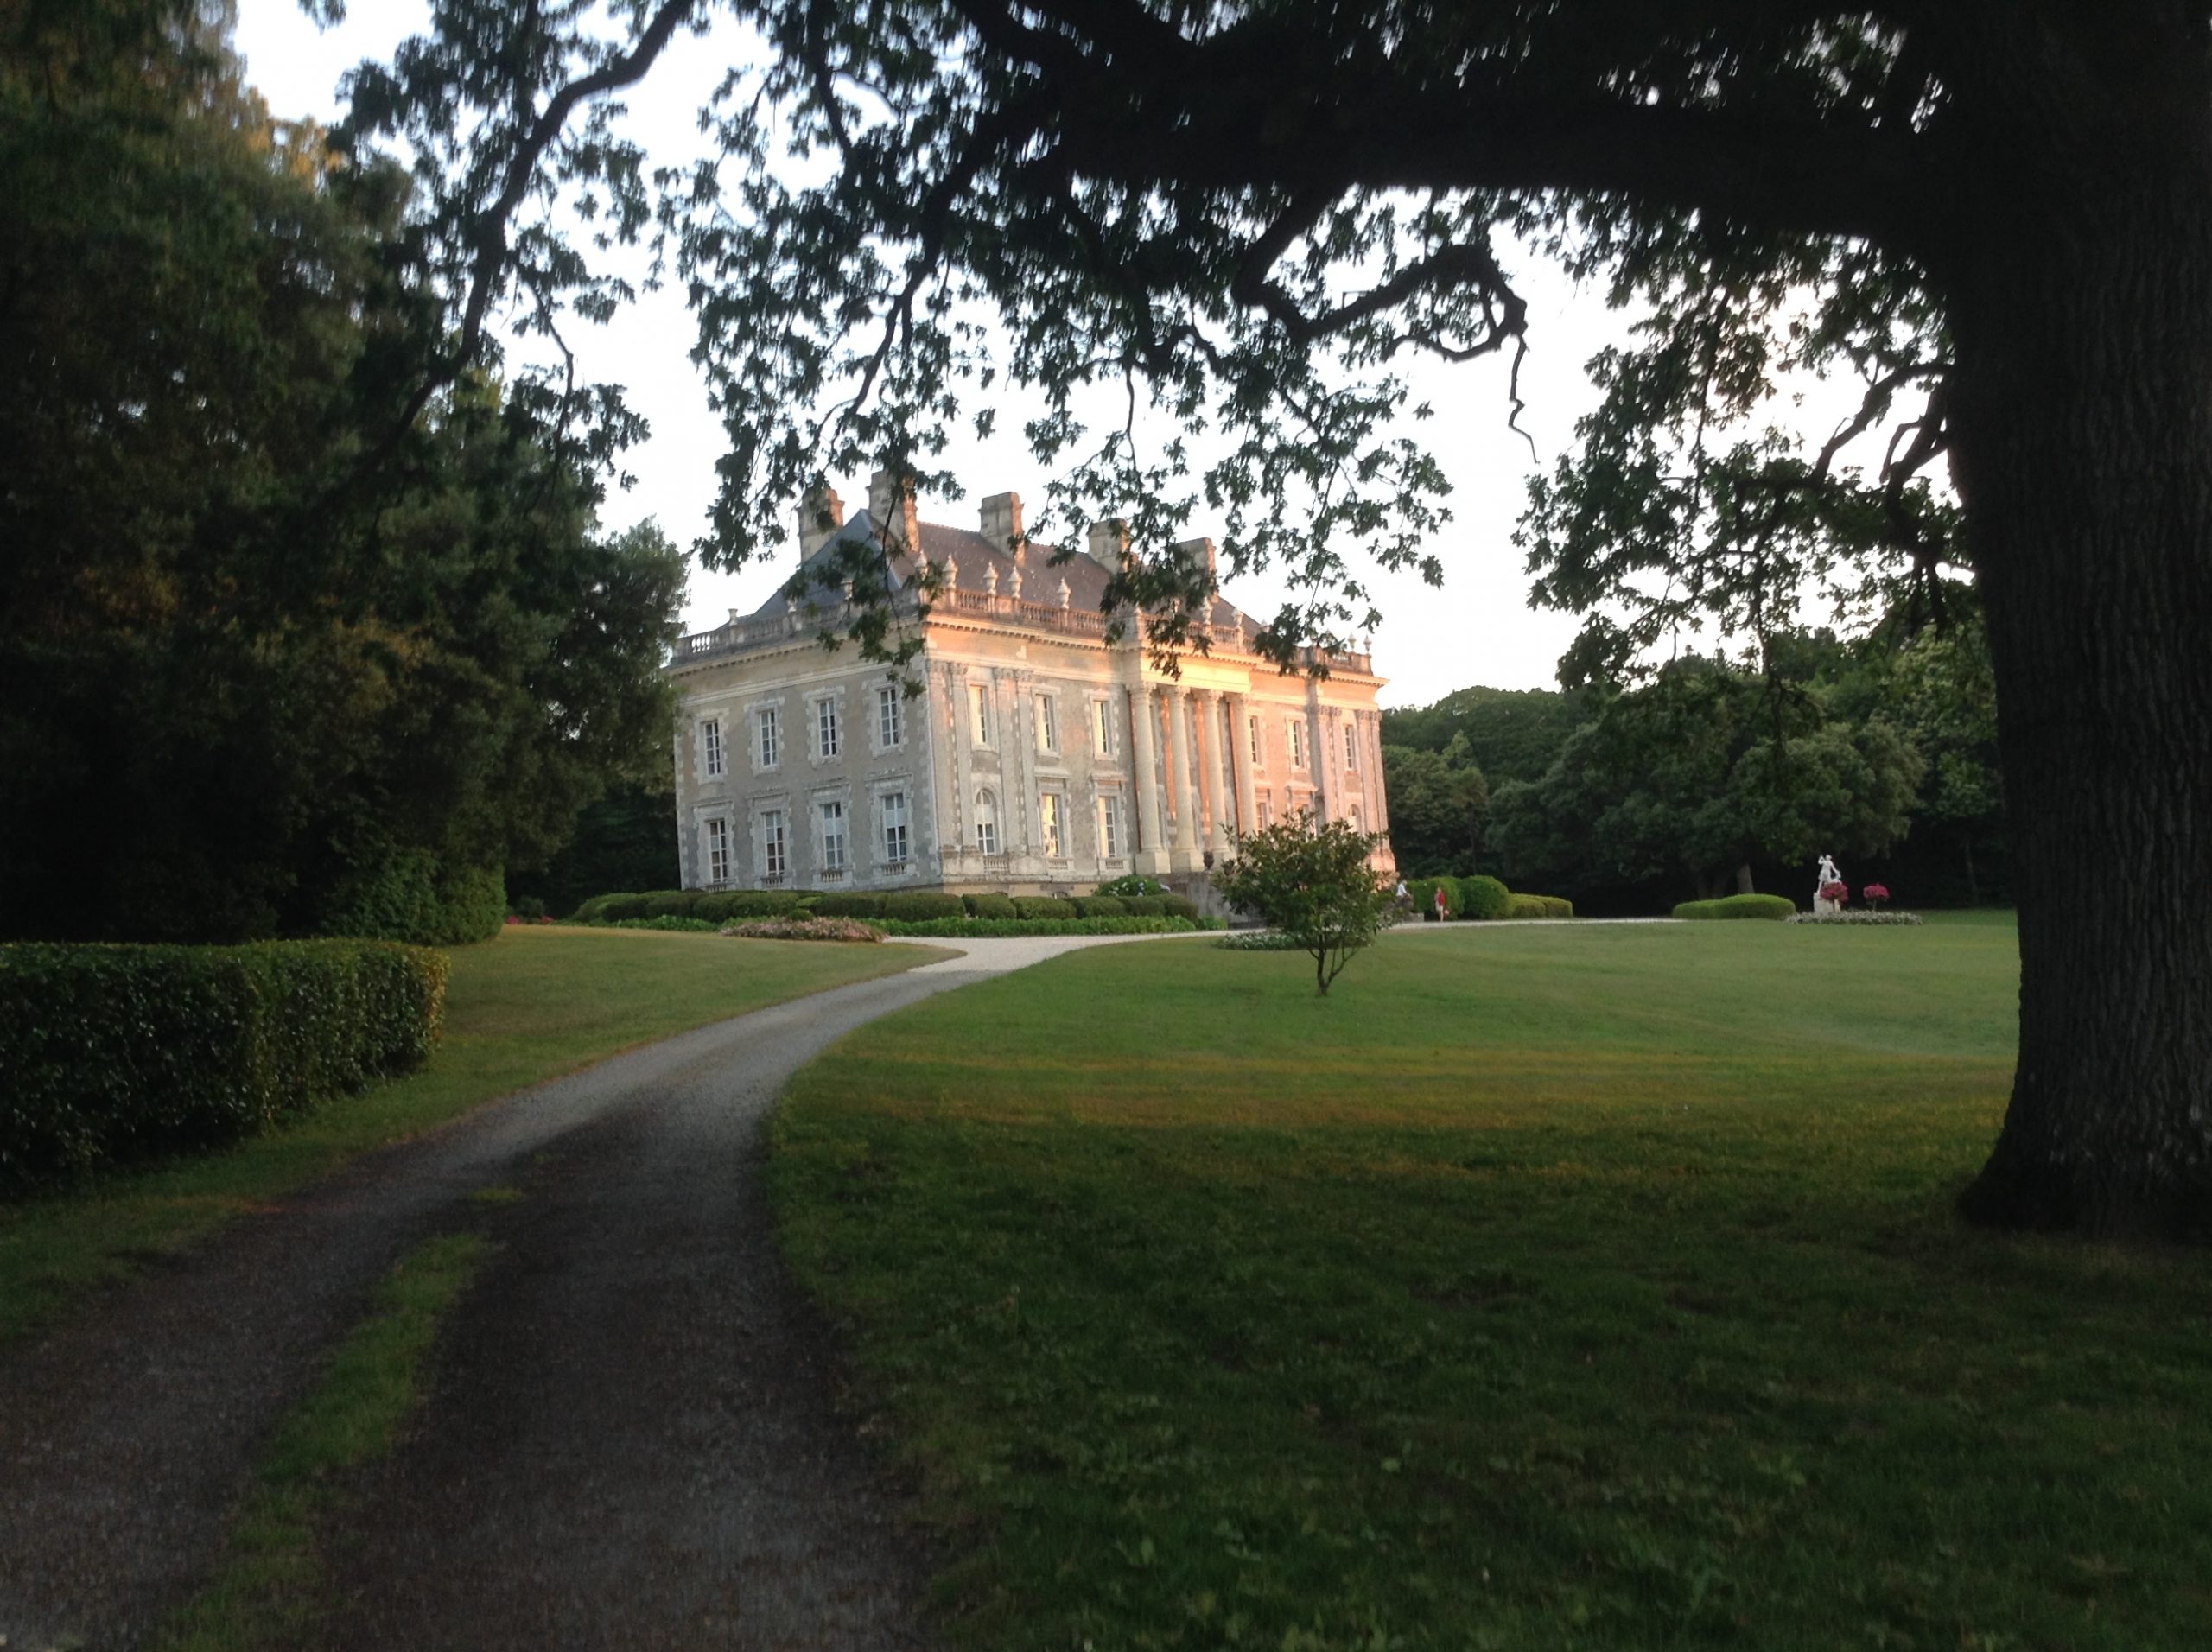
1132, 883
805, 929
916, 906
111, 1053
1858, 918
1179, 906
1101, 906
1312, 881
718, 908
1423, 893
668, 925
997, 908
1779, 908
1050, 906
670, 903
762, 903
1260, 941
1146, 905
1520, 906
407, 895
528, 908
1483, 897
846, 906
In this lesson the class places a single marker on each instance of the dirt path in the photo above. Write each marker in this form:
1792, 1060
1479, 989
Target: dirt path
632, 1439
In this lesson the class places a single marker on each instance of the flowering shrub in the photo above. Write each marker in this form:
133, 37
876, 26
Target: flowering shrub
1857, 917
1875, 894
1838, 893
805, 929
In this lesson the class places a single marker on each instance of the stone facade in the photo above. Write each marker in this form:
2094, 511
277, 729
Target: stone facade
1039, 758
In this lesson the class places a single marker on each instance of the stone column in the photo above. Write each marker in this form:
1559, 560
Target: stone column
1221, 814
1186, 857
964, 768
1240, 760
1317, 756
1374, 751
1151, 855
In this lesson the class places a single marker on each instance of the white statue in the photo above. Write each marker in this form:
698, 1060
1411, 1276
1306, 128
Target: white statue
1065, 595
1014, 582
991, 579
1828, 874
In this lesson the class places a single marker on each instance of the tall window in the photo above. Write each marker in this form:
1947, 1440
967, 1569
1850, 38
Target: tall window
826, 740
1352, 815
1048, 823
1101, 728
717, 851
833, 837
1352, 746
1267, 814
710, 736
1257, 760
895, 828
987, 823
1048, 733
889, 712
1111, 837
768, 735
979, 712
773, 860
1297, 742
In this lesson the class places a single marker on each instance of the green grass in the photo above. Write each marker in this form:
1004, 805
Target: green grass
1568, 1286
269, 1590
528, 1006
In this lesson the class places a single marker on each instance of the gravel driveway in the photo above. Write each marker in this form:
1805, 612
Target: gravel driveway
631, 1439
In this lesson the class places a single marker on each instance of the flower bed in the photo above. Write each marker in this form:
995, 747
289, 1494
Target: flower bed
1857, 917
1260, 941
805, 929
1003, 928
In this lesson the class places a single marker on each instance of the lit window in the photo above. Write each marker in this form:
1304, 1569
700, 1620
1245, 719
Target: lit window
895, 828
1048, 737
1109, 828
987, 823
833, 837
1048, 821
1267, 814
768, 730
1352, 746
1296, 730
889, 728
718, 851
1102, 728
710, 735
1258, 761
979, 712
826, 742
772, 862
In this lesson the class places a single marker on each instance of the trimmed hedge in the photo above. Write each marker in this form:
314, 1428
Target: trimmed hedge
846, 906
1779, 908
1423, 892
1485, 897
1179, 906
918, 906
1145, 905
114, 1053
991, 907
1539, 907
1044, 907
1101, 906
408, 896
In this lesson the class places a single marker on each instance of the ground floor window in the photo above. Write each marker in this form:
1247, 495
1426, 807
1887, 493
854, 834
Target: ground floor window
717, 851
1113, 836
1048, 824
987, 823
895, 828
773, 859
833, 837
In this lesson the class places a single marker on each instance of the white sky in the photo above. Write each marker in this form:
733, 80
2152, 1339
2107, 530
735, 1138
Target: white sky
1478, 628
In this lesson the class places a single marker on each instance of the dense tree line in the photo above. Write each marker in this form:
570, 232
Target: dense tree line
286, 644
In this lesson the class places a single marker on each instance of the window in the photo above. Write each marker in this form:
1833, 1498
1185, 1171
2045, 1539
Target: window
1101, 728
717, 851
890, 728
1296, 730
833, 837
1353, 815
979, 712
1111, 834
1352, 746
987, 823
710, 737
1267, 814
1048, 823
768, 736
826, 742
772, 862
1048, 733
1258, 761
895, 828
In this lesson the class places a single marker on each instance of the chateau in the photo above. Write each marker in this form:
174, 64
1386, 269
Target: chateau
1041, 758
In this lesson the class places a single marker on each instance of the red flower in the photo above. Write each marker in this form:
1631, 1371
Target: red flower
1876, 892
1836, 892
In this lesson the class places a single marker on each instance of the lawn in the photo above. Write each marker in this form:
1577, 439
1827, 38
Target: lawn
531, 1004
1547, 1287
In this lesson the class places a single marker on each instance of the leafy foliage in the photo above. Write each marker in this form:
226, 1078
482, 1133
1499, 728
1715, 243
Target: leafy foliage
1314, 882
1440, 806
1779, 907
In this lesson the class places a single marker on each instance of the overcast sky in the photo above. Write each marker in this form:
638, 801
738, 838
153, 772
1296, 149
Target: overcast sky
1478, 628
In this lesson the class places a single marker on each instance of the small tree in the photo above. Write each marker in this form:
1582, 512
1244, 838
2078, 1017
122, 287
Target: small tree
1314, 884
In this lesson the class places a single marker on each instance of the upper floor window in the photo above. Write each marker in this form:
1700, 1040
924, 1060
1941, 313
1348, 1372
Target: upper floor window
1296, 731
1048, 733
827, 737
717, 851
1048, 823
768, 736
1258, 761
987, 823
895, 828
979, 712
1352, 746
711, 738
1101, 728
833, 837
890, 717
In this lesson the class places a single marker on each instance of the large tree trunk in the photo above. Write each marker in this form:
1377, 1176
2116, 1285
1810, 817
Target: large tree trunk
2081, 298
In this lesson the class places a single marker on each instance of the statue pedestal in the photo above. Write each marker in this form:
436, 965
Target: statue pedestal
1822, 908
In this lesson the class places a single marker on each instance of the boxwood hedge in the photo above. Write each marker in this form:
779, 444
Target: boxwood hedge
112, 1053
1776, 907
1519, 906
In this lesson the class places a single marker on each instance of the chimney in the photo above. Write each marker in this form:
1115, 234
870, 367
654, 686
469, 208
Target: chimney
821, 514
891, 502
1196, 552
1002, 521
1108, 545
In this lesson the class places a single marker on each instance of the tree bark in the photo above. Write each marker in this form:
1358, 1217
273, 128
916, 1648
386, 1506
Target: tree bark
1743, 885
2080, 299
